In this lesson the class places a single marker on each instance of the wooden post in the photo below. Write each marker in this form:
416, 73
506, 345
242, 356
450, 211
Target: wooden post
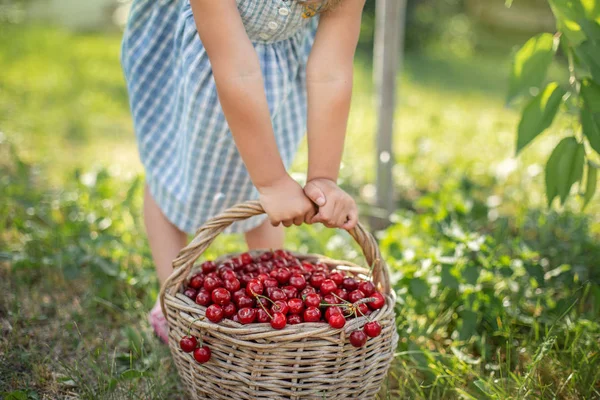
389, 42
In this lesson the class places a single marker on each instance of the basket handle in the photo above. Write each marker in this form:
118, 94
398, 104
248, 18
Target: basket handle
184, 262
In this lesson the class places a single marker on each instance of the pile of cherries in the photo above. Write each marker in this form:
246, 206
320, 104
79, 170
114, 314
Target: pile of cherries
278, 288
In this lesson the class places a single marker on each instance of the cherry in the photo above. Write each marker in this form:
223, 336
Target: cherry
197, 281
372, 329
211, 283
331, 311
341, 293
264, 302
262, 277
264, 269
221, 296
337, 277
290, 291
246, 315
202, 354
308, 267
191, 293
237, 262
298, 281
279, 320
266, 256
312, 314
312, 300
214, 313
294, 319
281, 306
254, 287
203, 297
330, 299
363, 309
337, 321
239, 293
328, 286
350, 284
281, 254
378, 303
358, 338
228, 275
277, 294
188, 343
366, 287
250, 268
246, 258
232, 285
244, 301
296, 306
262, 316
355, 296
321, 267
283, 275
307, 290
208, 267
229, 310
317, 279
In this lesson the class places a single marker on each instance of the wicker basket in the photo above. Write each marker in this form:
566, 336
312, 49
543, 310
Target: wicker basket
303, 361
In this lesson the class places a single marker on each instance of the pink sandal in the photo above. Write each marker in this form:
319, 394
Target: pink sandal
159, 323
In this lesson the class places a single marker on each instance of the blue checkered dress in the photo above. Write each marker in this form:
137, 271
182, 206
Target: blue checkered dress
192, 166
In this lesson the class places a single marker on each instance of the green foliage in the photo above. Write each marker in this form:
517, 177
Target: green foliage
578, 26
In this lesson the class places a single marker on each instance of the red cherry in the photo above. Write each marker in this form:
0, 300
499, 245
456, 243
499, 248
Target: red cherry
355, 296
262, 277
280, 306
266, 256
203, 297
214, 313
298, 281
330, 299
350, 284
208, 267
378, 303
307, 267
228, 275
372, 329
307, 290
188, 343
366, 287
237, 262
202, 354
283, 275
290, 291
246, 258
191, 293
358, 338
317, 279
238, 293
341, 293
294, 319
221, 296
312, 314
363, 310
296, 306
328, 286
337, 321
232, 285
279, 321
322, 267
264, 270
331, 311
211, 283
244, 301
277, 294
246, 315
197, 281
254, 287
264, 302
251, 268
262, 316
337, 277
312, 300
229, 310
281, 254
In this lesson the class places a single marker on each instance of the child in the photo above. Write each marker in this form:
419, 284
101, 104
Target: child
221, 93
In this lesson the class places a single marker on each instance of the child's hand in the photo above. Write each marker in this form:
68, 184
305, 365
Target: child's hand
336, 208
285, 202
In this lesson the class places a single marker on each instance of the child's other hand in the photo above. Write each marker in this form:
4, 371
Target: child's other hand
285, 202
336, 208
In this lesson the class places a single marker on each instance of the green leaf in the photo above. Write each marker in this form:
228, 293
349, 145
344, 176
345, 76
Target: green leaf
16, 395
564, 168
131, 374
539, 114
590, 113
531, 64
590, 91
591, 29
589, 53
590, 187
567, 13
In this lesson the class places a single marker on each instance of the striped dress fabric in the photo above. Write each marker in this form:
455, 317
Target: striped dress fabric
192, 166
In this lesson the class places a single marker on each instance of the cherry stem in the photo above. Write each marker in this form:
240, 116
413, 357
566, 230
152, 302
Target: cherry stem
261, 296
345, 301
263, 307
192, 323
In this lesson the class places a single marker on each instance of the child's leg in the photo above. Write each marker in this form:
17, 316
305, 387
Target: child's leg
265, 236
165, 239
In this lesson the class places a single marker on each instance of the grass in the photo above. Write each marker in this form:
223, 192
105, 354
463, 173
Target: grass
498, 297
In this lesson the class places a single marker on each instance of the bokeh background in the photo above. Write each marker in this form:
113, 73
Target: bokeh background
498, 295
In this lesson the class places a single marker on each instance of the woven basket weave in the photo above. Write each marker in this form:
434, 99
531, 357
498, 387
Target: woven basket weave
303, 361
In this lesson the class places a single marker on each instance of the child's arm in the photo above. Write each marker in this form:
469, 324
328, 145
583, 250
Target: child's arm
329, 85
241, 93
